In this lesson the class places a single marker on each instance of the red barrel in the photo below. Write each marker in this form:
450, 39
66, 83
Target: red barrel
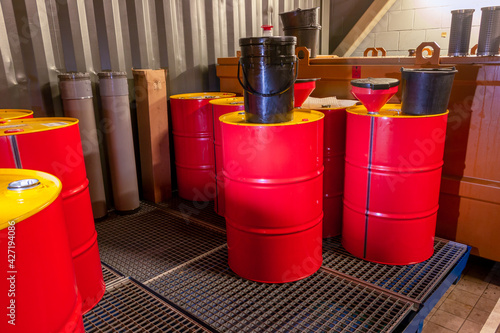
39, 292
10, 114
220, 107
274, 196
53, 145
333, 176
392, 176
192, 126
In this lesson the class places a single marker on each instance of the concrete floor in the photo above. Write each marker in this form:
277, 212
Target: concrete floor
472, 305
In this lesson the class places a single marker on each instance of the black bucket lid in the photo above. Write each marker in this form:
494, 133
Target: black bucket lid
375, 83
441, 70
276, 40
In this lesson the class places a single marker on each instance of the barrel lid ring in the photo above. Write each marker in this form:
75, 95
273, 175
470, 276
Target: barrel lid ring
23, 184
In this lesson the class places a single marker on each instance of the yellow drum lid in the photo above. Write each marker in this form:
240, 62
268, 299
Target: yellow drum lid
203, 95
388, 111
228, 101
300, 116
31, 125
24, 193
7, 114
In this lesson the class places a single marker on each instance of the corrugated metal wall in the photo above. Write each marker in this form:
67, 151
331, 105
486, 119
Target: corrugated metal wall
41, 38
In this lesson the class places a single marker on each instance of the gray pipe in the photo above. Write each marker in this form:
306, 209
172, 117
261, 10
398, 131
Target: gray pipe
113, 89
76, 95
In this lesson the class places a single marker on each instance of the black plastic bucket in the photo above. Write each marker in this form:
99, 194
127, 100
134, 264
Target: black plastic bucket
306, 36
300, 18
303, 24
426, 90
269, 69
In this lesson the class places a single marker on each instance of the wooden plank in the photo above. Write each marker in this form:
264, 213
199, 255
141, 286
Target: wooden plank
363, 27
152, 121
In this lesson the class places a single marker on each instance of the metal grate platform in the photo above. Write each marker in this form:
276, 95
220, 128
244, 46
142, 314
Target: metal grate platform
201, 211
415, 281
128, 307
109, 275
208, 289
152, 241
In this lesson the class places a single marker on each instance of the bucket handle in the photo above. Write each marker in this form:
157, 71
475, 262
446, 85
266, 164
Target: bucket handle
253, 92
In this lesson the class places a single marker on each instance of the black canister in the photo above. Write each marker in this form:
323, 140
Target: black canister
426, 90
269, 70
303, 24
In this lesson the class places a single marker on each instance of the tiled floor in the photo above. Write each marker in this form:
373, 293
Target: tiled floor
467, 305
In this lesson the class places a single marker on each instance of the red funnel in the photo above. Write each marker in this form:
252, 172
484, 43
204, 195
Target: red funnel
374, 92
302, 89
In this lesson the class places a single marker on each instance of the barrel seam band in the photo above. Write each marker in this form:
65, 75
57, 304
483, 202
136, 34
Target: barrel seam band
368, 184
15, 151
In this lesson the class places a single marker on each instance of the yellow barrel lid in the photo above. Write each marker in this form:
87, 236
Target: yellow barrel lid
24, 193
388, 111
6, 114
203, 95
300, 116
228, 101
31, 125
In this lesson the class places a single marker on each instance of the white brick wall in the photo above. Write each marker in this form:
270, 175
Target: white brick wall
411, 22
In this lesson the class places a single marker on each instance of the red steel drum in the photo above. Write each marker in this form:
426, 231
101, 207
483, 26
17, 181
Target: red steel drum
53, 145
220, 107
192, 127
10, 114
274, 196
333, 176
392, 176
39, 292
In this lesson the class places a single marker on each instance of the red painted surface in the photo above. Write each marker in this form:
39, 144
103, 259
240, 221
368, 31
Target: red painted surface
333, 183
301, 91
391, 201
58, 151
192, 127
46, 296
274, 201
356, 72
231, 105
372, 99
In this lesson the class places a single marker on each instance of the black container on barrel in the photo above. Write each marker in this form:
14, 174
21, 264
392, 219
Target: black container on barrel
269, 70
489, 31
303, 24
461, 24
426, 90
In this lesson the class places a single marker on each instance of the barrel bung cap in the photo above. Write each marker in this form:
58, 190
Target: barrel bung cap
24, 193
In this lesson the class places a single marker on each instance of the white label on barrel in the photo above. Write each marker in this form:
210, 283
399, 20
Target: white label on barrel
55, 124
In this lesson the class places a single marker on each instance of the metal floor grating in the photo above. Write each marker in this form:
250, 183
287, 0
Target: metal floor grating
109, 274
128, 307
415, 281
151, 241
203, 211
209, 290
